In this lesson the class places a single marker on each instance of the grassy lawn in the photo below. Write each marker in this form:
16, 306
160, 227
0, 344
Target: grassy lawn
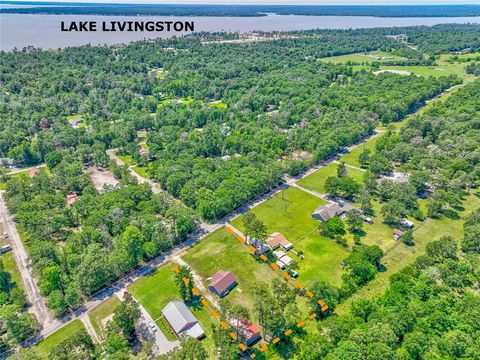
127, 159
157, 289
10, 266
290, 214
352, 157
222, 251
316, 181
101, 312
218, 104
44, 347
403, 255
368, 57
166, 329
143, 171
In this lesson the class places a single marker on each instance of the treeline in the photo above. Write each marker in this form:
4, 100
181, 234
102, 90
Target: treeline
78, 247
249, 10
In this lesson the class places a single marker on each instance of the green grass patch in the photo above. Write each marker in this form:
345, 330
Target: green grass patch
143, 171
166, 329
127, 159
45, 346
367, 57
316, 180
218, 105
10, 266
352, 157
101, 312
289, 212
222, 251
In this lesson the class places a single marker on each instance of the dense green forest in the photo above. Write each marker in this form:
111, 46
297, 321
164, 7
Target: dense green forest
77, 248
232, 119
244, 10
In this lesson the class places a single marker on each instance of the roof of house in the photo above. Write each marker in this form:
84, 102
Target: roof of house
181, 318
222, 280
277, 238
244, 328
71, 198
326, 212
143, 151
279, 254
33, 171
398, 232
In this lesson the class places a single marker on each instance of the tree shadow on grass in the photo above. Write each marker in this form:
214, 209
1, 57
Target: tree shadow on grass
451, 214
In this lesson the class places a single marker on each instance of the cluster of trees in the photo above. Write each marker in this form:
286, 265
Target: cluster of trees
16, 325
76, 250
440, 149
430, 310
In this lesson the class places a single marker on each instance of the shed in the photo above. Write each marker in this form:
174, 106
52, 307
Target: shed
71, 198
222, 282
407, 223
182, 320
397, 234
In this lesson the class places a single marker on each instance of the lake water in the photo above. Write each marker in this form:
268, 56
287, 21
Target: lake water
19, 30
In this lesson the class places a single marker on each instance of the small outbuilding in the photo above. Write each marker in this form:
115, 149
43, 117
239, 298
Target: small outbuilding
71, 198
222, 282
406, 223
181, 320
397, 234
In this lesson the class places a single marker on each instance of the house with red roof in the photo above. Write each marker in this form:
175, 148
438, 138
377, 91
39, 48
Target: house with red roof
222, 282
71, 198
247, 333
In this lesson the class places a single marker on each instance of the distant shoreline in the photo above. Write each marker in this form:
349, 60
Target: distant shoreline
110, 9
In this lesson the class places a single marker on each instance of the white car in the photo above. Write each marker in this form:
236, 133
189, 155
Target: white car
152, 326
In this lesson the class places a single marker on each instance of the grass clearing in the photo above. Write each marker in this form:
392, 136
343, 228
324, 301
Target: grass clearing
166, 329
10, 266
44, 347
352, 157
222, 251
316, 180
101, 312
367, 57
289, 212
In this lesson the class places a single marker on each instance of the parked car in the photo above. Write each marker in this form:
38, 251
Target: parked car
152, 326
293, 273
5, 234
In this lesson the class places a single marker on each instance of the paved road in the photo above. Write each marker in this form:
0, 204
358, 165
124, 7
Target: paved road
163, 345
39, 307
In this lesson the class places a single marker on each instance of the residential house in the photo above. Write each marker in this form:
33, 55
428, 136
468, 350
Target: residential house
277, 239
75, 122
247, 333
33, 171
327, 212
222, 282
407, 223
181, 320
260, 247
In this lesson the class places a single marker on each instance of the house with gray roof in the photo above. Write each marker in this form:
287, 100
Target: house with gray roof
326, 212
182, 321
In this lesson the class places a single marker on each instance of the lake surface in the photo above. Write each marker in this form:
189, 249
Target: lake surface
19, 30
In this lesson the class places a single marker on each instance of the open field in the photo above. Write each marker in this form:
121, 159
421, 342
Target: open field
222, 251
157, 289
368, 57
289, 212
316, 180
99, 314
44, 347
352, 157
403, 255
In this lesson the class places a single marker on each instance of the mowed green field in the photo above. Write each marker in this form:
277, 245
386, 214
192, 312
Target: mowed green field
316, 180
44, 347
289, 212
99, 314
368, 57
352, 157
402, 255
222, 251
